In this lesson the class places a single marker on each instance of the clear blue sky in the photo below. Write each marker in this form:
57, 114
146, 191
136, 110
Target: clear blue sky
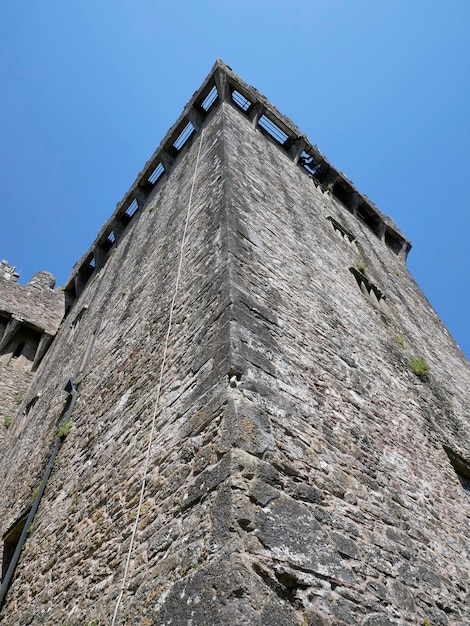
89, 88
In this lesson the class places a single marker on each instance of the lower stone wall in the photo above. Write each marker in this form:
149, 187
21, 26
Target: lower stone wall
13, 386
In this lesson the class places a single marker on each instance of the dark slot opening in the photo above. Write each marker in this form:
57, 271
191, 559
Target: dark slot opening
18, 350
368, 217
393, 242
344, 195
9, 544
461, 468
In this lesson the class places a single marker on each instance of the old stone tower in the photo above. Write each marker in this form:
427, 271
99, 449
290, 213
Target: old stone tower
250, 414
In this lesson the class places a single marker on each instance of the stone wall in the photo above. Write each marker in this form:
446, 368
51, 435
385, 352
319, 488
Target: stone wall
368, 522
13, 387
298, 472
36, 302
29, 318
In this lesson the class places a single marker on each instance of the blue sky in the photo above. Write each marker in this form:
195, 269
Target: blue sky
89, 88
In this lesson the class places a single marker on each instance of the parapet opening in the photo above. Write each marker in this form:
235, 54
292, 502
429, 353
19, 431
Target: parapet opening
307, 161
372, 220
132, 209
88, 267
461, 468
107, 242
184, 136
344, 195
322, 173
272, 129
156, 174
210, 99
393, 241
345, 234
10, 541
241, 101
127, 213
151, 177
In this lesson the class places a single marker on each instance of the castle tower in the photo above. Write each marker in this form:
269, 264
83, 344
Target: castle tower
29, 318
250, 414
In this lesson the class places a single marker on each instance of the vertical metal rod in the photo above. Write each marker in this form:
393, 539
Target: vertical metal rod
19, 547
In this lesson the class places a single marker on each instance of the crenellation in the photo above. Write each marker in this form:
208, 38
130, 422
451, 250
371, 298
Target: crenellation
250, 102
8, 272
30, 317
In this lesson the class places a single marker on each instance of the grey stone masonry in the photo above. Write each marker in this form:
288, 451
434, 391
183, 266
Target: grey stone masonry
29, 318
272, 426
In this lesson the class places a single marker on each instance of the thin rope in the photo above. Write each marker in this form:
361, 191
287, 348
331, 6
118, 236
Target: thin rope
154, 416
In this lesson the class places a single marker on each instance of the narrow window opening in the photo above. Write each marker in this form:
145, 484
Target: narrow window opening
156, 174
272, 129
461, 468
243, 103
210, 99
183, 137
10, 542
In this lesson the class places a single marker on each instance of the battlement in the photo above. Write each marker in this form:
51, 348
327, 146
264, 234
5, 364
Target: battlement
8, 272
30, 316
223, 85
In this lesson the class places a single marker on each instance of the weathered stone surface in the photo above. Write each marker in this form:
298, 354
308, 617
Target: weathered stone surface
297, 472
30, 316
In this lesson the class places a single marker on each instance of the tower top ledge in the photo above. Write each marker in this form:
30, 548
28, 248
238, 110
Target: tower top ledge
223, 85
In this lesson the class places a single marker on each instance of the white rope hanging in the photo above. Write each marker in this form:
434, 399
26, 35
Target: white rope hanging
155, 409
